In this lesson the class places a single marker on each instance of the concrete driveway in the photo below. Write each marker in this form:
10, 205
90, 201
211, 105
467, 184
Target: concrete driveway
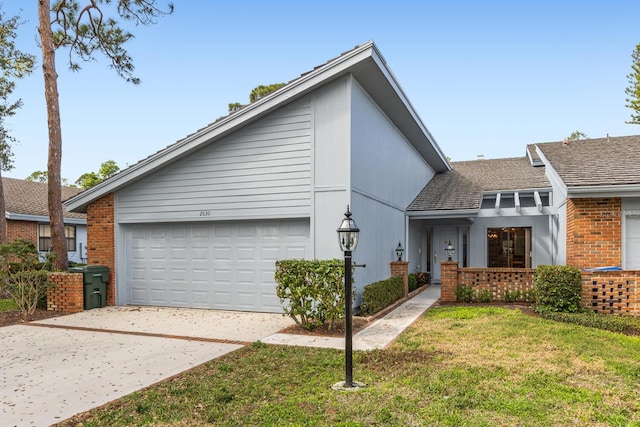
53, 369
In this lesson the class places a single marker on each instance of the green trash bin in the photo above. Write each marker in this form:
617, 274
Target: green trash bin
95, 285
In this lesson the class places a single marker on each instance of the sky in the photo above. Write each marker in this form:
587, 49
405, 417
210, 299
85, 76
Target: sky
486, 77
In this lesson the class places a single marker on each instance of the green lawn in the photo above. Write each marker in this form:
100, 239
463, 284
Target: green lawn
457, 366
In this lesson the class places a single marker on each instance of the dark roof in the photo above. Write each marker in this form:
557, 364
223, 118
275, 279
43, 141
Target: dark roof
593, 162
30, 198
462, 187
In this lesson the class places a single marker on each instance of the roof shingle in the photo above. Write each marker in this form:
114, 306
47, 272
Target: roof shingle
593, 162
462, 187
30, 198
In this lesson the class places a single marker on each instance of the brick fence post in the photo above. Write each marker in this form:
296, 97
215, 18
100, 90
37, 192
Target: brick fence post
401, 268
448, 280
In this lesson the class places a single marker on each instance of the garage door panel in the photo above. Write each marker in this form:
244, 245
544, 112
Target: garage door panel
226, 265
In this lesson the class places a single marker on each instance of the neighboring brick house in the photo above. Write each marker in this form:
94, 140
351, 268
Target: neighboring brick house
566, 202
27, 216
599, 179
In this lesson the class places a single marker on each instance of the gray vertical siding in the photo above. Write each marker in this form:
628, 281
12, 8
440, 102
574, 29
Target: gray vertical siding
261, 171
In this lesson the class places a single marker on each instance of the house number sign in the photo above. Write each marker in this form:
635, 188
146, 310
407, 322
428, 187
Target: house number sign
205, 213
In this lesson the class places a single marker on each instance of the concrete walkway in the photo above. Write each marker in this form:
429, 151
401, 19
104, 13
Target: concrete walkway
53, 369
378, 335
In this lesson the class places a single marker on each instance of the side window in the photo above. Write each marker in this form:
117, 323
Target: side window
44, 237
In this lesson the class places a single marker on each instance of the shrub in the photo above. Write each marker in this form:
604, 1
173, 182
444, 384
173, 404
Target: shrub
311, 291
23, 277
558, 289
484, 295
413, 282
529, 296
622, 324
376, 296
464, 293
512, 296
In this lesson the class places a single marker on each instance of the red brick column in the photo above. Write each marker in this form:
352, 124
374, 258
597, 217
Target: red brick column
101, 240
448, 280
66, 292
594, 232
401, 268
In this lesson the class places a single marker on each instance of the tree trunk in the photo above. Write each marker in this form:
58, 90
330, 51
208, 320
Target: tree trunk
54, 164
3, 216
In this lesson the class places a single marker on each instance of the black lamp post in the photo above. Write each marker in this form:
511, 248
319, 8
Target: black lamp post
399, 251
348, 239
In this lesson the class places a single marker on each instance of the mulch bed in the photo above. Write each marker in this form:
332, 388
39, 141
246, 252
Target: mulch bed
8, 318
357, 324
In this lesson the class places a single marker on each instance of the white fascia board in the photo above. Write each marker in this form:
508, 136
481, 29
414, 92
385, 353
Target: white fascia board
251, 112
42, 218
382, 65
444, 214
528, 211
552, 174
629, 190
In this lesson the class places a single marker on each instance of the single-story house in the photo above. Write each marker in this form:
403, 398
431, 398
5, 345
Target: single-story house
567, 202
202, 222
27, 216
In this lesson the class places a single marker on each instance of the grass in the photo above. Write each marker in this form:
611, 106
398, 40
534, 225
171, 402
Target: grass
8, 305
457, 366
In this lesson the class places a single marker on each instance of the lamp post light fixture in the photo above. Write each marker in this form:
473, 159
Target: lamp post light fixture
348, 239
449, 250
399, 251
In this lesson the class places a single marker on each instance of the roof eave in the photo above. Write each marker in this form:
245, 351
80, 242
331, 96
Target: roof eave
444, 214
621, 190
356, 62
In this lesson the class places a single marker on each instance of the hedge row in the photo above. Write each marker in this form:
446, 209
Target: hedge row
376, 296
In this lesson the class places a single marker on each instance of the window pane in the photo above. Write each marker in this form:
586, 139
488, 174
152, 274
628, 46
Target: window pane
509, 247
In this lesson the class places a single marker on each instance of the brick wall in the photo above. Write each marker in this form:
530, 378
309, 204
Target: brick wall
26, 230
594, 232
101, 240
401, 268
612, 292
496, 280
66, 292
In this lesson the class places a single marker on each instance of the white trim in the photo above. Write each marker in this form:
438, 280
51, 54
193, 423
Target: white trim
538, 200
444, 214
42, 218
625, 190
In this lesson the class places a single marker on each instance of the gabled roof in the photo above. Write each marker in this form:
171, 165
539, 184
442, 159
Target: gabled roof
364, 62
27, 200
462, 187
607, 162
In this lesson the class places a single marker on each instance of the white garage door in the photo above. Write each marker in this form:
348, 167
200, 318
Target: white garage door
224, 265
633, 243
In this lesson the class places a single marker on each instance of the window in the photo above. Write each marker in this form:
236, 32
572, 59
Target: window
44, 237
509, 247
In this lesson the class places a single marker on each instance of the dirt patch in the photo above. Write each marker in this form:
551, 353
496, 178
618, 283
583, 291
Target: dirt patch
8, 318
358, 324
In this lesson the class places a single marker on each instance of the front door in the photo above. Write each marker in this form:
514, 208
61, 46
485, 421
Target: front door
442, 236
